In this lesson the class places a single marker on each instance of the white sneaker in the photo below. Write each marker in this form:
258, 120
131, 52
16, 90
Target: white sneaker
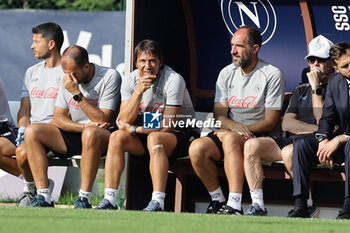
25, 199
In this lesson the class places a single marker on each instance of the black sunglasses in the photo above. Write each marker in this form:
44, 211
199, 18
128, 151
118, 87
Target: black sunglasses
320, 60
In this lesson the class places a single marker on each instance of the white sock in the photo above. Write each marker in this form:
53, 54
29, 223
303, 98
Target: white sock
234, 200
29, 186
258, 198
159, 196
217, 195
111, 195
45, 193
83, 193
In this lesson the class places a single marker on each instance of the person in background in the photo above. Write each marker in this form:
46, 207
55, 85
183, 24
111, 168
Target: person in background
86, 102
38, 97
248, 102
328, 145
152, 90
302, 117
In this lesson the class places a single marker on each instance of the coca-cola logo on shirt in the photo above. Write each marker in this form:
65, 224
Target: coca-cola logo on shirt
247, 102
151, 108
49, 93
75, 104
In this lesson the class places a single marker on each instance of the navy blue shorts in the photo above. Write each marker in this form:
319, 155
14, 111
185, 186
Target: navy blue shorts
11, 136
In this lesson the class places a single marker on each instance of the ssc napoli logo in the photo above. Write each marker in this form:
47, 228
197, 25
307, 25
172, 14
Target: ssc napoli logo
257, 88
259, 13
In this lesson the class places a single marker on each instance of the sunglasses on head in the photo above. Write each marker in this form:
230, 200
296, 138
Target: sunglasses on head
320, 60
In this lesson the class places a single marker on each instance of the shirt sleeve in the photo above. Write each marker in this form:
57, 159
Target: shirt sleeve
221, 94
176, 91
60, 101
293, 102
275, 91
126, 90
24, 91
111, 94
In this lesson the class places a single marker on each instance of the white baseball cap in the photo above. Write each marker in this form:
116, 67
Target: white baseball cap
319, 47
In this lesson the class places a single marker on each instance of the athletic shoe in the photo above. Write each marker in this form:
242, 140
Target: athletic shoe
255, 210
105, 205
39, 201
297, 212
225, 209
82, 203
153, 206
343, 214
214, 207
313, 211
25, 199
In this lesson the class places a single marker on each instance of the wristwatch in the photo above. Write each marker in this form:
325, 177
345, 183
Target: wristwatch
133, 132
317, 91
78, 97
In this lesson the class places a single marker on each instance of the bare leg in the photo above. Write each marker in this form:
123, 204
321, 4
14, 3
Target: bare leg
255, 150
287, 156
38, 137
204, 154
22, 162
119, 142
94, 144
233, 144
159, 163
7, 163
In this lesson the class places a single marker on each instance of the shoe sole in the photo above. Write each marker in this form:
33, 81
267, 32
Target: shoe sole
315, 214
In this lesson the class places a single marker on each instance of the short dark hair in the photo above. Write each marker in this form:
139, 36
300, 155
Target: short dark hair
338, 50
50, 31
254, 36
78, 54
148, 46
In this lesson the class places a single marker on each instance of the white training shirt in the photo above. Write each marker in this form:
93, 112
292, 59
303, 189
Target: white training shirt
168, 89
249, 95
103, 92
41, 85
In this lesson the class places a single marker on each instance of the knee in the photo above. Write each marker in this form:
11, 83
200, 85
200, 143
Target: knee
32, 131
232, 140
21, 155
252, 147
90, 134
197, 150
118, 138
287, 153
154, 138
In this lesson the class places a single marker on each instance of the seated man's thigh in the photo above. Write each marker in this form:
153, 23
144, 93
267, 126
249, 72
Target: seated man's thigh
208, 147
7, 148
48, 134
269, 149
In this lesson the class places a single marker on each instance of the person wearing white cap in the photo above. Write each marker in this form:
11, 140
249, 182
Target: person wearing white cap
301, 117
327, 146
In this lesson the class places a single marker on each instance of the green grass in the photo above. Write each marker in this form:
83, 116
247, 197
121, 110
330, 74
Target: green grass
17, 219
68, 198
